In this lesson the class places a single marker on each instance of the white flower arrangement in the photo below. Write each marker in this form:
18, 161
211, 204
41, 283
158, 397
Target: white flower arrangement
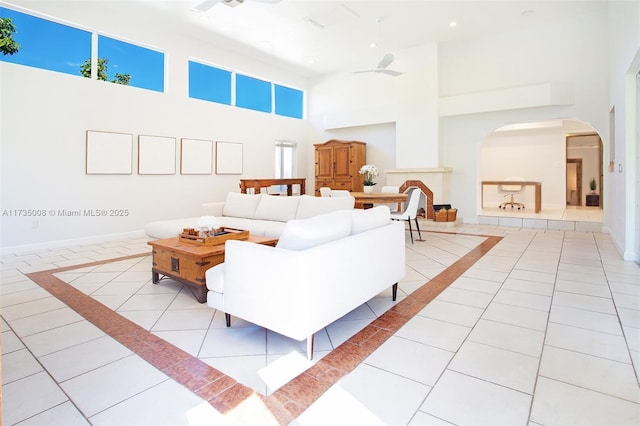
369, 171
208, 225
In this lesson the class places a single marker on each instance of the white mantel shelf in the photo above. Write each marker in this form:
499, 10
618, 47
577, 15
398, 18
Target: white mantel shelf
430, 170
437, 179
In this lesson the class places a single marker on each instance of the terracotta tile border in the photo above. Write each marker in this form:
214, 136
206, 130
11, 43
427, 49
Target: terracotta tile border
223, 392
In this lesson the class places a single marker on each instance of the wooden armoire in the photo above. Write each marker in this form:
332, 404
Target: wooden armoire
337, 164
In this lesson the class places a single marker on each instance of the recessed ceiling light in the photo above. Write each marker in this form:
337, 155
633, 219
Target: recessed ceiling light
453, 24
373, 44
311, 61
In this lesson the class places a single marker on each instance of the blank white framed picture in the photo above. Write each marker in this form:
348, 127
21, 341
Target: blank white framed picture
196, 157
109, 153
228, 158
156, 155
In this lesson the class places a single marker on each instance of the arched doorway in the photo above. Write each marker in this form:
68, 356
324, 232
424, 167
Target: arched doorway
538, 151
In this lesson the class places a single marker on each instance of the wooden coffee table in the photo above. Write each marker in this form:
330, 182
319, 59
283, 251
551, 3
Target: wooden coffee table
187, 262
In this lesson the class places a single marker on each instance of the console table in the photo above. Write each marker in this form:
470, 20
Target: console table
537, 188
256, 184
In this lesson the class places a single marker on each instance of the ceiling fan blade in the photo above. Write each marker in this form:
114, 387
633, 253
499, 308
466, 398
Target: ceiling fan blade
389, 72
386, 61
205, 5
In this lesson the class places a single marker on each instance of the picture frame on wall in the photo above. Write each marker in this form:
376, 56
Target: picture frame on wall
196, 157
108, 153
228, 158
156, 155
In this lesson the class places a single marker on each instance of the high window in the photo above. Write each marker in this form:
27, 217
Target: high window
46, 44
56, 47
253, 93
209, 83
144, 67
289, 101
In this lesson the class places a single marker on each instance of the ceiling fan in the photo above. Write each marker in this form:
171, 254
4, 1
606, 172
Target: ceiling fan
208, 4
386, 60
382, 67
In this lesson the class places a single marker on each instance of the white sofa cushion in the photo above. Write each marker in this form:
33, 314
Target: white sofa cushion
169, 228
241, 205
301, 234
312, 206
365, 220
256, 227
278, 208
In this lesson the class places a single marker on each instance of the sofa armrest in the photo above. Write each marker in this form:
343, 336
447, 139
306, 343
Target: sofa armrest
212, 209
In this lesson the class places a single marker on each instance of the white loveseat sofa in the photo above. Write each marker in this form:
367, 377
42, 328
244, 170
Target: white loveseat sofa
260, 214
321, 269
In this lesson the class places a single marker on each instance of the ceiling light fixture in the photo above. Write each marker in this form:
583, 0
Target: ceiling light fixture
453, 24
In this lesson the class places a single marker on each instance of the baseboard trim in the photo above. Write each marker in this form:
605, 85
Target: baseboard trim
96, 239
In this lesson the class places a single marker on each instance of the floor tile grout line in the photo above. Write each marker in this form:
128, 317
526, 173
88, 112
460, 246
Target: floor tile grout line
75, 299
272, 401
471, 328
45, 371
562, 243
443, 280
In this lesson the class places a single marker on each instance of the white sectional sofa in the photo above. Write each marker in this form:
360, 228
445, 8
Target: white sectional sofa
260, 214
321, 269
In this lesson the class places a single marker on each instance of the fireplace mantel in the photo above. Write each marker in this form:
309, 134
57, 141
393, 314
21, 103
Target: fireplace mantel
437, 179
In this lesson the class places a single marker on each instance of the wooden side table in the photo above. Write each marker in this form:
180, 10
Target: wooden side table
593, 200
187, 262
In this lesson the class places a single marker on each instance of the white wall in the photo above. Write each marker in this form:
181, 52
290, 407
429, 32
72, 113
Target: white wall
381, 145
525, 155
570, 51
621, 203
345, 100
45, 116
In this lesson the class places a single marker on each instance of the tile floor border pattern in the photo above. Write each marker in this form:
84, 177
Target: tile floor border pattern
223, 392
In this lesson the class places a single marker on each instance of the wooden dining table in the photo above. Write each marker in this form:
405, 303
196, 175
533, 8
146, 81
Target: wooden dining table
366, 200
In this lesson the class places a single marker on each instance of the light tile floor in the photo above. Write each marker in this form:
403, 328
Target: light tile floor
544, 329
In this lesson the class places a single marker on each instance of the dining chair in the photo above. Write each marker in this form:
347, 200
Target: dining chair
410, 211
340, 193
325, 191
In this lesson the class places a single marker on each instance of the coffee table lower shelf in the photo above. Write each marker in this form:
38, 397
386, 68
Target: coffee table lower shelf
198, 289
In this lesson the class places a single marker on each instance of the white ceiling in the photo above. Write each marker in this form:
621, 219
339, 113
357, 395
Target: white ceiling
339, 37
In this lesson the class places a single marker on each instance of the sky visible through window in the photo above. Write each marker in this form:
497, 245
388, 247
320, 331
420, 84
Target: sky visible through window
57, 47
143, 65
48, 45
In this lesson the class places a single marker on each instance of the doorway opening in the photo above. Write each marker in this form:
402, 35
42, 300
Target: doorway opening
574, 181
584, 170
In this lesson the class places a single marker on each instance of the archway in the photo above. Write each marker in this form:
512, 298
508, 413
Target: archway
536, 151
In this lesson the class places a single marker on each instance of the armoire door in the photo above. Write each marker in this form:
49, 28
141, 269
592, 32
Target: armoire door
324, 163
342, 162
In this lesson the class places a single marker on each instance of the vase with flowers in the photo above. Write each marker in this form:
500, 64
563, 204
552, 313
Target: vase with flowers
370, 172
